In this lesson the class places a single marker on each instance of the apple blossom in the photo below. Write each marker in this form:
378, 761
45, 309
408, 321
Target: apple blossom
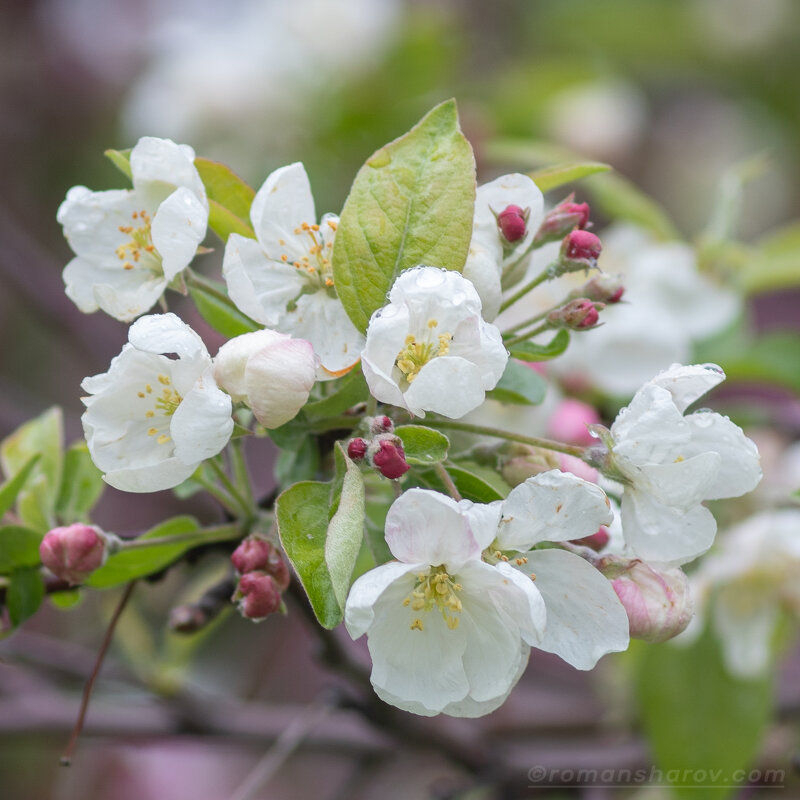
447, 632
268, 371
284, 279
669, 463
429, 349
130, 243
151, 420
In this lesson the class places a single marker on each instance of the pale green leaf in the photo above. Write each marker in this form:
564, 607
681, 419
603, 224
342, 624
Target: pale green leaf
423, 445
548, 178
81, 486
533, 351
520, 385
121, 159
347, 392
11, 488
19, 547
225, 187
218, 310
24, 594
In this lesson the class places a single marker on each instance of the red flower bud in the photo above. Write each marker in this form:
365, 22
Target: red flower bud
512, 222
74, 552
257, 595
581, 246
252, 553
564, 218
381, 425
389, 458
278, 569
357, 448
577, 314
597, 541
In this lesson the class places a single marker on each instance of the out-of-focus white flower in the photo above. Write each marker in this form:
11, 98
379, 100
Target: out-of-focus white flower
268, 371
669, 463
745, 584
447, 632
429, 349
284, 279
151, 420
129, 244
489, 251
585, 619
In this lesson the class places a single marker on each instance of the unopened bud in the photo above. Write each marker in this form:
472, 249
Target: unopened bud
388, 457
357, 448
658, 602
278, 569
381, 424
525, 462
513, 222
74, 552
565, 217
257, 595
597, 541
578, 467
602, 288
568, 423
578, 315
252, 554
187, 619
579, 250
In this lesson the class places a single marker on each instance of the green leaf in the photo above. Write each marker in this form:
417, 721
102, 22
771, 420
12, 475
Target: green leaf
224, 222
302, 516
19, 547
774, 263
24, 594
423, 445
44, 436
532, 351
81, 486
348, 392
345, 532
121, 159
520, 384
124, 566
699, 718
298, 463
225, 187
620, 199
221, 314
11, 488
411, 203
549, 178
476, 483
67, 599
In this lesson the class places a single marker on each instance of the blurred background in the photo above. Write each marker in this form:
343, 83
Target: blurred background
695, 102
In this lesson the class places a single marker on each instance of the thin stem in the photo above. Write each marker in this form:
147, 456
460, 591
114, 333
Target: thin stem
498, 433
543, 276
530, 321
372, 406
240, 473
228, 484
220, 533
527, 335
444, 476
66, 759
221, 496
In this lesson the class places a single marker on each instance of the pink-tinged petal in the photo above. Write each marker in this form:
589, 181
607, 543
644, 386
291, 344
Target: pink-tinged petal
449, 386
554, 506
231, 360
687, 384
427, 527
159, 166
483, 519
739, 470
167, 333
665, 534
280, 206
278, 379
682, 483
177, 229
585, 619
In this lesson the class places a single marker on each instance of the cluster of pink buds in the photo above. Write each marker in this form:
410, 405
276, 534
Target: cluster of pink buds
74, 552
264, 577
564, 218
383, 450
577, 315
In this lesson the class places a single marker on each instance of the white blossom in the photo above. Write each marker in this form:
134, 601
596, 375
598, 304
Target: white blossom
130, 243
669, 463
429, 349
284, 278
151, 420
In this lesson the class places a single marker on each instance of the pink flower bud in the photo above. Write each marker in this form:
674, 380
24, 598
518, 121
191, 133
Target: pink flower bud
577, 315
581, 245
388, 457
257, 595
252, 554
525, 462
658, 603
513, 222
577, 466
602, 288
381, 424
74, 552
564, 218
357, 448
278, 569
568, 422
597, 541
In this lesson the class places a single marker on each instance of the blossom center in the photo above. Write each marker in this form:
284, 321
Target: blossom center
164, 405
435, 588
418, 352
139, 248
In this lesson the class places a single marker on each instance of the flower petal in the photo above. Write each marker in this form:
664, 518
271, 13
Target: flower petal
687, 384
154, 477
585, 619
744, 627
447, 385
159, 166
483, 269
167, 333
682, 483
178, 228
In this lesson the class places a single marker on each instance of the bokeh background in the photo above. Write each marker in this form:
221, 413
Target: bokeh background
679, 96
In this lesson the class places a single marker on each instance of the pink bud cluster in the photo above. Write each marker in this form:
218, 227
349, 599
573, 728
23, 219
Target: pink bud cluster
564, 218
264, 577
383, 451
73, 552
577, 315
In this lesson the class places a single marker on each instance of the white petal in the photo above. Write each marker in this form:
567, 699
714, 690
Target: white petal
483, 269
427, 527
446, 385
745, 631
159, 166
386, 335
483, 519
259, 287
482, 344
681, 483
523, 603
178, 228
554, 506
739, 470
423, 290
231, 360
282, 203
150, 478
687, 384
585, 619
167, 333
359, 609
202, 424
656, 532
